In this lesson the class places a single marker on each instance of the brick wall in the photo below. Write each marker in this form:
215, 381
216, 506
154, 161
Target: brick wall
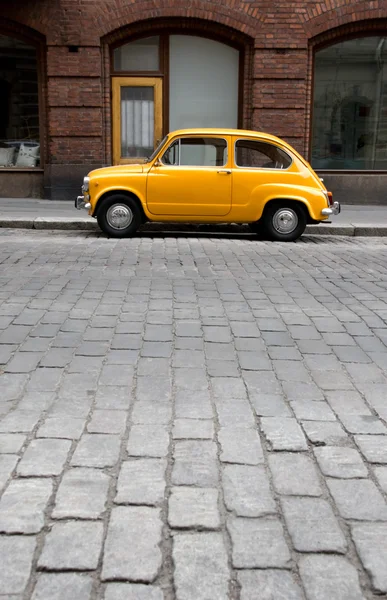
277, 37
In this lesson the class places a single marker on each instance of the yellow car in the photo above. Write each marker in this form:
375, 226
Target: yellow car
211, 176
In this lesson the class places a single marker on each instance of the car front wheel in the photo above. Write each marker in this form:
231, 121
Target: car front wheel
284, 222
119, 216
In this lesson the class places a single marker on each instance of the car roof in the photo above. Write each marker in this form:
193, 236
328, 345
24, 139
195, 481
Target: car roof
234, 132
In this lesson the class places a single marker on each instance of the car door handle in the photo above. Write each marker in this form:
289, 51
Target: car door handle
225, 172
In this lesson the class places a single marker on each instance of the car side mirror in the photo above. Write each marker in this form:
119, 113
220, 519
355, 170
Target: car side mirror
158, 163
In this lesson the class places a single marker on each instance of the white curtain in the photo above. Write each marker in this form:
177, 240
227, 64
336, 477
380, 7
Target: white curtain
137, 121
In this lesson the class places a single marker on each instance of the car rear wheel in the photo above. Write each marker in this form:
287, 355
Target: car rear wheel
119, 216
284, 222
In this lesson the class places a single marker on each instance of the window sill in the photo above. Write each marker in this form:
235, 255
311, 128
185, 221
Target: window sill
21, 170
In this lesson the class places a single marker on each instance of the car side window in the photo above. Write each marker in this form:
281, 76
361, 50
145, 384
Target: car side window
260, 155
196, 152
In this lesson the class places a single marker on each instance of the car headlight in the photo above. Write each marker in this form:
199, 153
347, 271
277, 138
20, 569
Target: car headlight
85, 186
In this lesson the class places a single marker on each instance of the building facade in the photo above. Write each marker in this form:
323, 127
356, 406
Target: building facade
89, 83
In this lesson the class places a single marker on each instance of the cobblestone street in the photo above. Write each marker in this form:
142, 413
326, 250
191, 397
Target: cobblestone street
192, 418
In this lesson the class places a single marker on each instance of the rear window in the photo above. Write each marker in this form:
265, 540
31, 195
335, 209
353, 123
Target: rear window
260, 155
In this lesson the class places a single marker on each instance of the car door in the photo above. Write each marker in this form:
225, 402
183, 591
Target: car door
192, 178
261, 170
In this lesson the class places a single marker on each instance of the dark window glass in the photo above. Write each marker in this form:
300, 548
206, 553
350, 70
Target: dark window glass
350, 105
19, 105
197, 152
261, 155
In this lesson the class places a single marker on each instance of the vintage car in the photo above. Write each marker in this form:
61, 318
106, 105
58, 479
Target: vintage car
211, 176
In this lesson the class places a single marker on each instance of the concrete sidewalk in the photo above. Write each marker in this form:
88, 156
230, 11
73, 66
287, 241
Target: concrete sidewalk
29, 213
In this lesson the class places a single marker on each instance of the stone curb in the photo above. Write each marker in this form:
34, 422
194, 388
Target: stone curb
70, 223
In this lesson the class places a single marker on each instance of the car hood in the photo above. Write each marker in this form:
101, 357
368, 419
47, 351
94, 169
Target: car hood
117, 170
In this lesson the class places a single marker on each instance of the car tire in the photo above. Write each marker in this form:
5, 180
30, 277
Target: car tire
119, 216
284, 222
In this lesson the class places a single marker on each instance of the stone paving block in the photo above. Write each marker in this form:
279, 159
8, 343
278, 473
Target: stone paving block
188, 328
368, 424
36, 401
62, 586
148, 440
109, 397
345, 403
57, 357
240, 445
337, 380
188, 358
141, 481
96, 450
189, 343
23, 504
302, 391
219, 335
116, 375
24, 362
381, 476
12, 385
262, 382
82, 494
254, 361
270, 405
11, 443
121, 357
74, 545
16, 555
328, 577
193, 429
193, 404
108, 421
132, 591
150, 413
62, 427
308, 410
351, 354
363, 373
14, 334
156, 349
6, 352
290, 370
45, 379
258, 544
193, 508
358, 499
44, 457
272, 585
371, 544
141, 559
294, 474
201, 566
155, 367
150, 389
8, 463
222, 368
224, 387
235, 414
340, 462
195, 463
158, 333
247, 491
312, 525
283, 434
220, 351
245, 330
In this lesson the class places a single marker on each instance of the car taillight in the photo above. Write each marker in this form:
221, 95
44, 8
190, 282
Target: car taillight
330, 198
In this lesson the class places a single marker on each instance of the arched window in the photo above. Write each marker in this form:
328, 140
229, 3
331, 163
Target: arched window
166, 82
350, 105
19, 105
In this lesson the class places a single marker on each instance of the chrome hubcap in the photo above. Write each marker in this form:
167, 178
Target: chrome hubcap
119, 216
285, 220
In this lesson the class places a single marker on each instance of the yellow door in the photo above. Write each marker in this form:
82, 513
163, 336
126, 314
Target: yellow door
137, 117
192, 178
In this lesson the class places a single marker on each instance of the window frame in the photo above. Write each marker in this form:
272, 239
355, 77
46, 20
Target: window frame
262, 141
189, 137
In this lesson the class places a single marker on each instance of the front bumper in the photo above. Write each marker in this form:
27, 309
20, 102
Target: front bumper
82, 202
332, 210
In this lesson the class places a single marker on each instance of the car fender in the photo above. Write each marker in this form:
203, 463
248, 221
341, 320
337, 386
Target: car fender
122, 189
312, 198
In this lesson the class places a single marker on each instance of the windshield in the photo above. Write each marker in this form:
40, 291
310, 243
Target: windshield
155, 152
